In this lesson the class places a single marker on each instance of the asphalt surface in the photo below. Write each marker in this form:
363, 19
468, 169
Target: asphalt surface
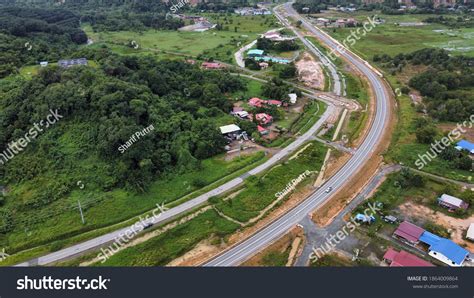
242, 251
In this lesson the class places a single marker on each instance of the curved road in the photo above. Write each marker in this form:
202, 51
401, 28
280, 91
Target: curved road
242, 251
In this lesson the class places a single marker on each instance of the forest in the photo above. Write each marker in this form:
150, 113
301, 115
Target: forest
446, 82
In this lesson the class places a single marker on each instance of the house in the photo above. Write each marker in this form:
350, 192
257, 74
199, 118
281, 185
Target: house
211, 65
44, 63
465, 145
263, 131
264, 119
242, 114
255, 53
72, 62
452, 203
293, 97
404, 259
408, 233
444, 249
274, 102
470, 232
257, 102
390, 219
231, 131
263, 65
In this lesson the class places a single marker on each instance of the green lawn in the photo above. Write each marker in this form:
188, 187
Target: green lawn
260, 190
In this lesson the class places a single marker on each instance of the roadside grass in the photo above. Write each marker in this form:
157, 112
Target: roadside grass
312, 112
260, 190
276, 258
332, 260
61, 220
160, 250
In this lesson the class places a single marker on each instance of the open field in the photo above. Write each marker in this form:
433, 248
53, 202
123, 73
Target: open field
392, 39
260, 191
218, 44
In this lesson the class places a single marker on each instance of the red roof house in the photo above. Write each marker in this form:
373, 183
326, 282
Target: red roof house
404, 259
264, 118
408, 232
211, 65
274, 102
262, 130
257, 102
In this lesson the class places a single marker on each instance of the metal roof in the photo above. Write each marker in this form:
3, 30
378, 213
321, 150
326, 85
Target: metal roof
229, 128
451, 200
470, 232
445, 247
466, 145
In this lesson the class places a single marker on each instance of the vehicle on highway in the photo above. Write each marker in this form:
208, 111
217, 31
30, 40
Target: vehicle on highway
328, 190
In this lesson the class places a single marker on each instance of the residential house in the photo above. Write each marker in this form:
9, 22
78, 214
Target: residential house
231, 131
465, 145
408, 233
444, 249
255, 53
263, 131
264, 119
211, 65
452, 203
470, 232
257, 102
274, 102
293, 97
404, 259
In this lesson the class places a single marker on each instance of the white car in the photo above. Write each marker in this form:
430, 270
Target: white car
328, 190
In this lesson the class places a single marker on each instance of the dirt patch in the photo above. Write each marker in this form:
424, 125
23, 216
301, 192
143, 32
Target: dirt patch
280, 246
310, 72
447, 127
198, 254
457, 226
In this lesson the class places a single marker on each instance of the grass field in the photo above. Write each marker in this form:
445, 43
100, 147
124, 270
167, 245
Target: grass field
218, 44
61, 219
392, 39
260, 190
162, 249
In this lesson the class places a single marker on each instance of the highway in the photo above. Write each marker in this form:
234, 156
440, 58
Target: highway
256, 243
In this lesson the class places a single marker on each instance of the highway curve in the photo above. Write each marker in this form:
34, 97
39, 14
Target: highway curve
249, 247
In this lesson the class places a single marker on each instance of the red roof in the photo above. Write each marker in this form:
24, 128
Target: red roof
256, 102
409, 231
211, 65
261, 129
263, 118
404, 259
274, 102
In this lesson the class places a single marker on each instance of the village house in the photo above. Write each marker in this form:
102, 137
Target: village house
264, 119
211, 65
452, 203
263, 131
404, 259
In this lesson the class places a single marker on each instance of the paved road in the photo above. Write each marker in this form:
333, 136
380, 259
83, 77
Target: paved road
242, 251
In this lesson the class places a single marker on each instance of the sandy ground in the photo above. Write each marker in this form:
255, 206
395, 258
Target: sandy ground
200, 251
280, 245
310, 72
457, 226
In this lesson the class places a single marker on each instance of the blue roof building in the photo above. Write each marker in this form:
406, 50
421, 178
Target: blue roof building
465, 145
444, 249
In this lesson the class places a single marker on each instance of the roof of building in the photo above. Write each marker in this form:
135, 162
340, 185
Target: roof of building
255, 101
404, 259
229, 128
466, 145
452, 200
261, 129
409, 231
274, 102
255, 52
72, 62
470, 231
445, 247
211, 65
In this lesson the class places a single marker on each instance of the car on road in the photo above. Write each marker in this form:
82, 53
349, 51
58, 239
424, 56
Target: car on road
328, 190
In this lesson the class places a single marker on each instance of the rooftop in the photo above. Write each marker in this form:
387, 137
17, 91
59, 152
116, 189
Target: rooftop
466, 145
404, 259
409, 231
452, 200
229, 128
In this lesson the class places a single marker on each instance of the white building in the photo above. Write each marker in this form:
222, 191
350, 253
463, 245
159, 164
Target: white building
470, 232
293, 97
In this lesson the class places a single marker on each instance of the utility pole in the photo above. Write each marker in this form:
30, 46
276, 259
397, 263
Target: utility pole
80, 210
